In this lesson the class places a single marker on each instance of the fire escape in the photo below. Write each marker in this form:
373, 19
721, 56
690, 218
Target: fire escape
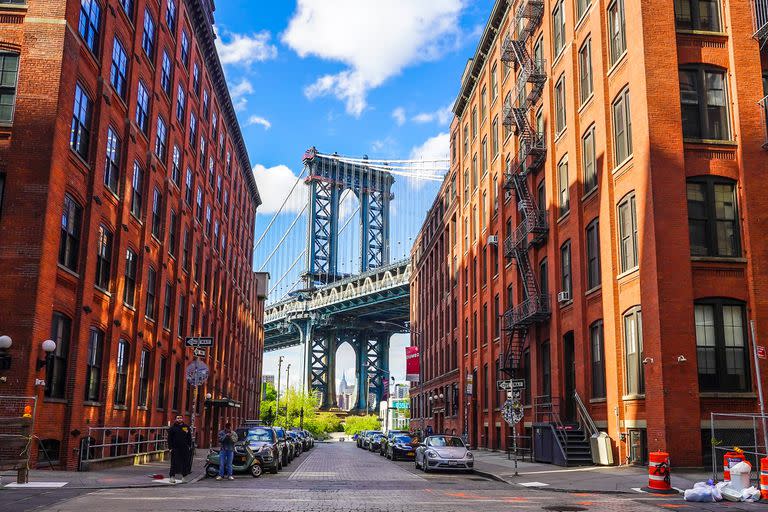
533, 227
760, 12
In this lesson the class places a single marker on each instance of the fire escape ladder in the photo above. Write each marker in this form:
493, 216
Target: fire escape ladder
760, 14
533, 227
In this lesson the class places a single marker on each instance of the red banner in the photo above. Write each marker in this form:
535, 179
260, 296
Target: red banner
412, 366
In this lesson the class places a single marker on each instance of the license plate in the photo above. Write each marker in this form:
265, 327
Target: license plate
452, 463
410, 453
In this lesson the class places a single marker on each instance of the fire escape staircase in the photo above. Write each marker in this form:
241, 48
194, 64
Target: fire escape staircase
533, 227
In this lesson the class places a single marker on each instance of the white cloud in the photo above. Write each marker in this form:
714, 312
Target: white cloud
245, 49
260, 121
275, 184
434, 148
379, 145
442, 116
239, 92
399, 116
375, 39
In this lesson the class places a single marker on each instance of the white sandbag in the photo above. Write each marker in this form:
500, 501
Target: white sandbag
750, 494
701, 492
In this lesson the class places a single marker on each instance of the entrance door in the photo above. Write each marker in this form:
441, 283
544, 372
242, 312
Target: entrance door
570, 378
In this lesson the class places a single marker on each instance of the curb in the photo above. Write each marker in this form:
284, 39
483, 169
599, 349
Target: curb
498, 478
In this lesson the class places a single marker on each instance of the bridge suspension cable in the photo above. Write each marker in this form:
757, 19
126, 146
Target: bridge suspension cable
296, 261
277, 246
280, 210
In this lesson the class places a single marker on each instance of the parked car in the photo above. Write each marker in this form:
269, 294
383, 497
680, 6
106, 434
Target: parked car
310, 438
444, 452
401, 447
359, 438
298, 442
263, 442
304, 437
374, 444
282, 439
388, 439
368, 436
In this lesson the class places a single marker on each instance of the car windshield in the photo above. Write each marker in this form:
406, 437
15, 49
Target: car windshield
256, 434
403, 439
439, 441
280, 433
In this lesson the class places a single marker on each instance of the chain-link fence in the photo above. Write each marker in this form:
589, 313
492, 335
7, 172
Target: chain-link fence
17, 416
740, 433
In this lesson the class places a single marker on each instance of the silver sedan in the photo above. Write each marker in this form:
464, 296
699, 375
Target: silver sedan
444, 452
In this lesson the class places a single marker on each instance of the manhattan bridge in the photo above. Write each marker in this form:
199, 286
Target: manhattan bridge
351, 222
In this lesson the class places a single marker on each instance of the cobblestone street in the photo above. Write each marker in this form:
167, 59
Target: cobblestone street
341, 477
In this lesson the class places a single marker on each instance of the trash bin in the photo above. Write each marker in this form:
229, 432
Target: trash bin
600, 445
740, 474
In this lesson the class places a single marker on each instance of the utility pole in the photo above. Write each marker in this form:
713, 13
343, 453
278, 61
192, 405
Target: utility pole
277, 400
287, 387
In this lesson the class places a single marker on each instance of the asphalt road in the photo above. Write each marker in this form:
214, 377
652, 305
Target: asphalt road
340, 477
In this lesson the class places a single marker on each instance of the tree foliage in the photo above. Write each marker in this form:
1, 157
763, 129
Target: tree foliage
355, 424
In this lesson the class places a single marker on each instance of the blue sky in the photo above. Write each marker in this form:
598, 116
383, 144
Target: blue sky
354, 76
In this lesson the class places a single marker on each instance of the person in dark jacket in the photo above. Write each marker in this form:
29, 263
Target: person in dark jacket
180, 444
227, 440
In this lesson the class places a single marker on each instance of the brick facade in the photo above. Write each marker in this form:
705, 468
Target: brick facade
216, 293
672, 283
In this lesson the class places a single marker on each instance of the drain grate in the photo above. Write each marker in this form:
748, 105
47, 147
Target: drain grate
564, 508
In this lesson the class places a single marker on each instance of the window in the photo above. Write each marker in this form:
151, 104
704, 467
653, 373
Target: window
119, 69
483, 104
137, 191
69, 245
142, 108
103, 258
565, 268
161, 374
208, 220
560, 119
112, 165
192, 130
633, 351
616, 31
703, 100
127, 7
593, 254
713, 217
121, 372
9, 72
474, 122
170, 16
143, 377
698, 15
80, 133
129, 292
157, 214
196, 78
167, 306
206, 107
543, 277
182, 315
546, 370
177, 375
588, 160
494, 84
558, 27
598, 359
628, 233
189, 186
721, 346
199, 201
166, 74
495, 136
148, 38
185, 251
56, 366
161, 140
484, 156
93, 370
181, 105
172, 234
184, 51
622, 128
90, 24
581, 8
585, 71
562, 184
149, 309
176, 166
485, 387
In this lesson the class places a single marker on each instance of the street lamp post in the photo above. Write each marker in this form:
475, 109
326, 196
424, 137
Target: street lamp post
287, 387
277, 400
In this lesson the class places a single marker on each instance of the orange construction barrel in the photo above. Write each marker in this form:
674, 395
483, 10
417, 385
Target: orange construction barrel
730, 459
764, 478
658, 474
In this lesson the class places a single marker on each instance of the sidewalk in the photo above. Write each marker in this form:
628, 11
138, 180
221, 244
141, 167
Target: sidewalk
113, 478
591, 479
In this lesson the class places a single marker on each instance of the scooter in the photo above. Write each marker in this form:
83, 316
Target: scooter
244, 461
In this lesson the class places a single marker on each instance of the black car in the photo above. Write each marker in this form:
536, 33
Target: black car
264, 444
401, 447
368, 436
388, 439
287, 445
359, 438
374, 442
298, 442
304, 437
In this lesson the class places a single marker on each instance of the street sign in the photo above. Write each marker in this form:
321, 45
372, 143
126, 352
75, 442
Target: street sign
518, 384
761, 353
197, 373
469, 383
199, 341
199, 352
503, 385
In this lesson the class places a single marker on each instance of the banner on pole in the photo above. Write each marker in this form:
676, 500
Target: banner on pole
412, 364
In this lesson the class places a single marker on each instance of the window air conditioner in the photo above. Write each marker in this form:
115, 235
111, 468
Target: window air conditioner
563, 296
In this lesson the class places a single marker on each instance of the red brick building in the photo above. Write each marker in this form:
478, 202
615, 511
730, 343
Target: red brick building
620, 240
127, 209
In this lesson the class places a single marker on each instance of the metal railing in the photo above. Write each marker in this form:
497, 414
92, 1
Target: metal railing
546, 409
528, 311
105, 443
760, 14
745, 431
583, 417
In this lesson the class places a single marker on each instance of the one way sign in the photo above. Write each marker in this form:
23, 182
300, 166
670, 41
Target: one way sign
508, 385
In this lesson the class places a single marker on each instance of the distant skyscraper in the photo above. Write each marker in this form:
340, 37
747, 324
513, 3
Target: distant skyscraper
401, 391
345, 394
268, 379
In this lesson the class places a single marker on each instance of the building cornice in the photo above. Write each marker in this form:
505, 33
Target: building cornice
201, 21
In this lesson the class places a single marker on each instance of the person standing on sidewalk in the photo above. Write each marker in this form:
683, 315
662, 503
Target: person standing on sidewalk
227, 439
180, 444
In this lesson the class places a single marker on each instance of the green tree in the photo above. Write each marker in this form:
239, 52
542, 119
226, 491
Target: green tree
355, 424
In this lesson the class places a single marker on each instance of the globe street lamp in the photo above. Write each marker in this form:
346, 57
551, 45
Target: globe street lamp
5, 357
48, 347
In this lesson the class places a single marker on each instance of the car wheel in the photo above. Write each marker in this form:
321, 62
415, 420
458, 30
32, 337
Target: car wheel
256, 470
416, 463
211, 470
425, 467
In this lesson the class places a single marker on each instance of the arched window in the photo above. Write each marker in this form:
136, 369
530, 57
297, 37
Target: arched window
56, 367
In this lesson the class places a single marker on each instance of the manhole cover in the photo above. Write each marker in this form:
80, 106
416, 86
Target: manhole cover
564, 508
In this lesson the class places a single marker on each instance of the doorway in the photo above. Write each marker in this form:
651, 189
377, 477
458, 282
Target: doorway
569, 377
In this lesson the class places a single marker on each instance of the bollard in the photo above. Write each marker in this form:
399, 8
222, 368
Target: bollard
730, 459
659, 479
764, 478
